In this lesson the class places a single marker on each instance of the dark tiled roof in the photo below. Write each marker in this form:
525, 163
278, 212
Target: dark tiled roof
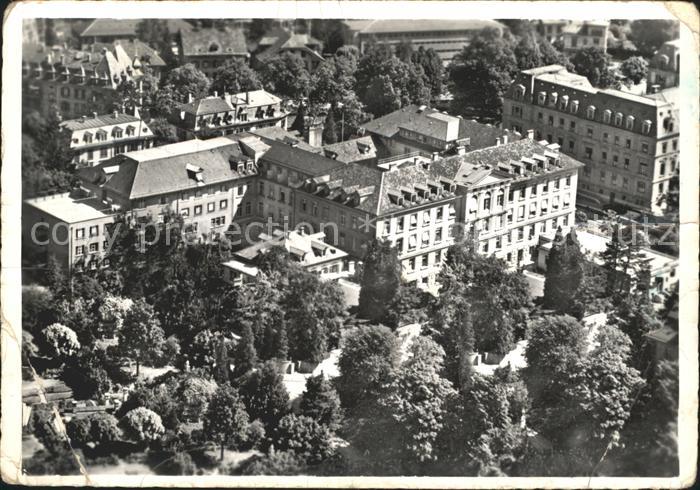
141, 176
135, 48
199, 42
127, 27
99, 121
279, 40
299, 159
351, 150
275, 133
207, 105
410, 117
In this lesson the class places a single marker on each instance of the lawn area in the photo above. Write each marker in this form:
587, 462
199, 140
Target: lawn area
121, 468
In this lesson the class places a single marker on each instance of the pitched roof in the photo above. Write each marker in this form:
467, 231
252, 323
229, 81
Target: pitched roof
99, 121
354, 150
308, 249
135, 49
214, 42
275, 133
215, 104
164, 169
299, 159
127, 27
424, 25
431, 122
279, 40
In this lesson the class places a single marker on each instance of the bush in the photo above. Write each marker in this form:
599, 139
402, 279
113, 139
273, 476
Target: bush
62, 340
104, 428
143, 425
304, 436
254, 435
79, 432
179, 463
275, 463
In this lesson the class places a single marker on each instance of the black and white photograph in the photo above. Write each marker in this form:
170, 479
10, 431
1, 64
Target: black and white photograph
321, 246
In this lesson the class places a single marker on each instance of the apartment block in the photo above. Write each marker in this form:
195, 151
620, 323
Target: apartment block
575, 34
77, 82
223, 114
446, 36
514, 193
207, 182
210, 48
429, 131
628, 143
100, 137
72, 227
664, 67
279, 41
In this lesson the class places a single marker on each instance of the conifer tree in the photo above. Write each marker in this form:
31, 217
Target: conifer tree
381, 277
246, 357
564, 276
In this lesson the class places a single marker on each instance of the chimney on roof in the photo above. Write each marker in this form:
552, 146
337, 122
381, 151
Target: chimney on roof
461, 149
94, 115
82, 119
655, 88
115, 114
531, 134
498, 141
189, 97
216, 94
63, 59
505, 139
247, 97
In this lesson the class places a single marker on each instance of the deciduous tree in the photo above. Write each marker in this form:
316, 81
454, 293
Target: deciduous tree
303, 435
226, 419
265, 395
141, 338
287, 76
594, 64
235, 77
187, 80
142, 425
635, 69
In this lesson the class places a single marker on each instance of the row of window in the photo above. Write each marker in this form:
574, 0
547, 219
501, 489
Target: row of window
211, 207
424, 261
519, 234
425, 241
616, 180
117, 132
398, 224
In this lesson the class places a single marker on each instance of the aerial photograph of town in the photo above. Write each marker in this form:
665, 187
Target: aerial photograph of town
329, 247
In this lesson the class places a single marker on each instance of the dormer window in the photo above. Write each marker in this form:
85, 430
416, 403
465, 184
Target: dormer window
101, 135
87, 137
117, 132
240, 167
573, 108
629, 122
213, 47
646, 126
519, 91
590, 112
618, 119
607, 113
563, 102
553, 98
541, 96
194, 172
130, 130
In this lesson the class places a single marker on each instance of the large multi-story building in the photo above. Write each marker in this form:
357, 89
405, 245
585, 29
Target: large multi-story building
575, 34
664, 67
110, 30
76, 82
629, 143
508, 194
209, 48
229, 114
427, 130
71, 227
279, 41
96, 138
446, 36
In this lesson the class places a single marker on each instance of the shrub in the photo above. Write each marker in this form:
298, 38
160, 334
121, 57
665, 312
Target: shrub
304, 436
179, 463
143, 425
275, 463
79, 432
62, 340
254, 435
